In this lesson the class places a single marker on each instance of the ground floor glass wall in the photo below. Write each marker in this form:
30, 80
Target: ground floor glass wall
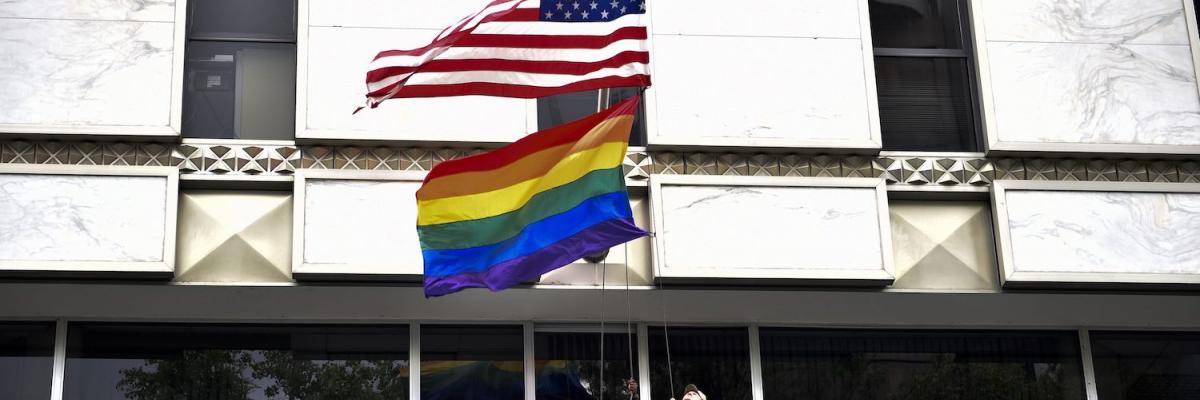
183, 362
26, 360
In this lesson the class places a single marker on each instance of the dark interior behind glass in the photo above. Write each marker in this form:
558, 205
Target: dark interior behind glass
919, 365
26, 360
716, 360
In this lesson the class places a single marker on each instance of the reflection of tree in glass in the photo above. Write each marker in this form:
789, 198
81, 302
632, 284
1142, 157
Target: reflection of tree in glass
578, 380
236, 375
319, 380
194, 375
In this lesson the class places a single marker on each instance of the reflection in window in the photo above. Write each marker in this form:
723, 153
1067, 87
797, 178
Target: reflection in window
919, 365
568, 365
716, 360
920, 24
160, 362
1147, 366
26, 360
472, 362
560, 109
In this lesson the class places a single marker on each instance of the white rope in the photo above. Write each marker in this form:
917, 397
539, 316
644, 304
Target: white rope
628, 320
666, 331
603, 276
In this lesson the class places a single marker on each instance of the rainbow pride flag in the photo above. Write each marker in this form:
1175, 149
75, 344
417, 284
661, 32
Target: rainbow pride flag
507, 216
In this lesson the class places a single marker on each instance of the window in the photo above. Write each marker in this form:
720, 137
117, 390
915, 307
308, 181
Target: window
924, 75
560, 109
472, 362
26, 360
568, 365
715, 360
128, 361
1146, 366
841, 364
240, 73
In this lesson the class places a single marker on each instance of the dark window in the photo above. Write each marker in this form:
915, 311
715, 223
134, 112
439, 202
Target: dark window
560, 109
867, 365
568, 365
472, 362
715, 360
1146, 366
26, 360
240, 73
924, 75
127, 361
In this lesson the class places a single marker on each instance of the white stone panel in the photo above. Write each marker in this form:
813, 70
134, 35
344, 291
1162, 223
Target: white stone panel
768, 232
92, 10
337, 62
420, 14
786, 18
361, 227
760, 88
1094, 93
82, 218
1104, 232
1080, 21
57, 72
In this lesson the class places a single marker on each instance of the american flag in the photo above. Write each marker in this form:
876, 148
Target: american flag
522, 48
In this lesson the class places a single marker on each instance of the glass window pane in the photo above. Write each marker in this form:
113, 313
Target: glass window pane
560, 109
638, 135
916, 24
836, 365
1147, 366
240, 90
568, 365
140, 362
715, 360
242, 19
26, 360
925, 104
472, 362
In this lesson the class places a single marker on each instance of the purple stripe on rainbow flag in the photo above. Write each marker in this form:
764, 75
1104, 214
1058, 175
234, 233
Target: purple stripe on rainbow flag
595, 238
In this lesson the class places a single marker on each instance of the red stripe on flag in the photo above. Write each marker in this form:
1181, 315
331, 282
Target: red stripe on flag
559, 135
535, 67
553, 41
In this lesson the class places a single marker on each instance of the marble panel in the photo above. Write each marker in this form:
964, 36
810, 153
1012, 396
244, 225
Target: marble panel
1081, 21
785, 18
92, 10
361, 227
768, 232
808, 101
337, 61
85, 72
82, 218
1104, 232
390, 13
1094, 93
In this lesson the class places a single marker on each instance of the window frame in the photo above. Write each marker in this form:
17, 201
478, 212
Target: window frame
185, 36
968, 55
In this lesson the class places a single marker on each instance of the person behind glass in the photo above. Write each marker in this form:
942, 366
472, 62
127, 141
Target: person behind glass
630, 390
690, 392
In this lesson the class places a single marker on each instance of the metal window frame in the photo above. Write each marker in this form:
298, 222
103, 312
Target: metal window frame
166, 267
994, 145
302, 270
883, 276
1010, 277
872, 144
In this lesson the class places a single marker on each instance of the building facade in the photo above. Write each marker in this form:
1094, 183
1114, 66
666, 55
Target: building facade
856, 199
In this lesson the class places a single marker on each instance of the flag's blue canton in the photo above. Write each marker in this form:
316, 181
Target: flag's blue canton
589, 10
